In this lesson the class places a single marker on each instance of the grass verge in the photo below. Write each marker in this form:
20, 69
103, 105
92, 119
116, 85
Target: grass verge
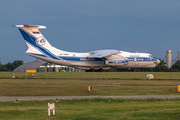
93, 109
93, 75
66, 87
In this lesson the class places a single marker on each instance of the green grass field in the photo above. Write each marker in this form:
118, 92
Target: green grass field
76, 84
93, 109
104, 83
94, 75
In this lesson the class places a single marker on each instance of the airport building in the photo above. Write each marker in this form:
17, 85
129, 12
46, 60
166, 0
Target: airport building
43, 66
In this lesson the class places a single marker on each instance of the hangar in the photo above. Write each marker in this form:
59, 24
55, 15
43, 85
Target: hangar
43, 66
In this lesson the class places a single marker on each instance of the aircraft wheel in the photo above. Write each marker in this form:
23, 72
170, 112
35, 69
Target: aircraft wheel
92, 70
101, 70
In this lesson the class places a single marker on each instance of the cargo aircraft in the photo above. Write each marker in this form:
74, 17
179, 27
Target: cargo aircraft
97, 60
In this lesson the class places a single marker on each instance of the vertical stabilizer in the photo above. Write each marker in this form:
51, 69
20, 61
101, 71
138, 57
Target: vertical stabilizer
33, 36
36, 42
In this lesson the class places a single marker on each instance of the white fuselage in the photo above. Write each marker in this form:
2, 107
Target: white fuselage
82, 61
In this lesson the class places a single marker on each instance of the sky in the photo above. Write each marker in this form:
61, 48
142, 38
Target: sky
148, 26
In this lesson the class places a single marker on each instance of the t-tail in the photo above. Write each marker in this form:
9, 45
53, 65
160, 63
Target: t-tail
36, 42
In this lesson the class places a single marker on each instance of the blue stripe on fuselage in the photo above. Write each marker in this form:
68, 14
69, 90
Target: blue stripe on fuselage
86, 58
141, 59
65, 58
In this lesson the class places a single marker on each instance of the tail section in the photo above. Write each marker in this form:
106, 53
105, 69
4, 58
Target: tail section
36, 42
32, 35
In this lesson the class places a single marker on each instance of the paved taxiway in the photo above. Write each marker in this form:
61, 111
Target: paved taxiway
13, 98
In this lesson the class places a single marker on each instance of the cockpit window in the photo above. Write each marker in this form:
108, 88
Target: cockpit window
151, 56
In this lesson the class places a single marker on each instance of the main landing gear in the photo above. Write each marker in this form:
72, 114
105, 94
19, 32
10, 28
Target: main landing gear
93, 70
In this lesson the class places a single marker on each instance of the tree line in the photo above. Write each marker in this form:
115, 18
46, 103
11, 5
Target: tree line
161, 67
10, 66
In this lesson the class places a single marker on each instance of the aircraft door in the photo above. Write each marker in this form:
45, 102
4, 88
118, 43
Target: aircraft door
126, 62
136, 61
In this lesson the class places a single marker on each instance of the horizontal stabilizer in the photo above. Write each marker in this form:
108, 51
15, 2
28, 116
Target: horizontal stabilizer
26, 25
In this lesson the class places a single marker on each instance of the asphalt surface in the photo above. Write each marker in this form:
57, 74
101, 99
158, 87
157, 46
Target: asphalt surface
13, 98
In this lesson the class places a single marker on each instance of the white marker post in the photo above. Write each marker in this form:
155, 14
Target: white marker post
51, 107
13, 75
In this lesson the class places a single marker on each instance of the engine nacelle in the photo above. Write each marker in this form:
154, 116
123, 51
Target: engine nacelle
117, 62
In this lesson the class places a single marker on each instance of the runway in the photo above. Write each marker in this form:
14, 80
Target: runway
13, 98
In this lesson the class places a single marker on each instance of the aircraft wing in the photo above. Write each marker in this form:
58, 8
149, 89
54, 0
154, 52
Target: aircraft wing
102, 53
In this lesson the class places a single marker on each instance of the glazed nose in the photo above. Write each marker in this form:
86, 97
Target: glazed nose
157, 62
